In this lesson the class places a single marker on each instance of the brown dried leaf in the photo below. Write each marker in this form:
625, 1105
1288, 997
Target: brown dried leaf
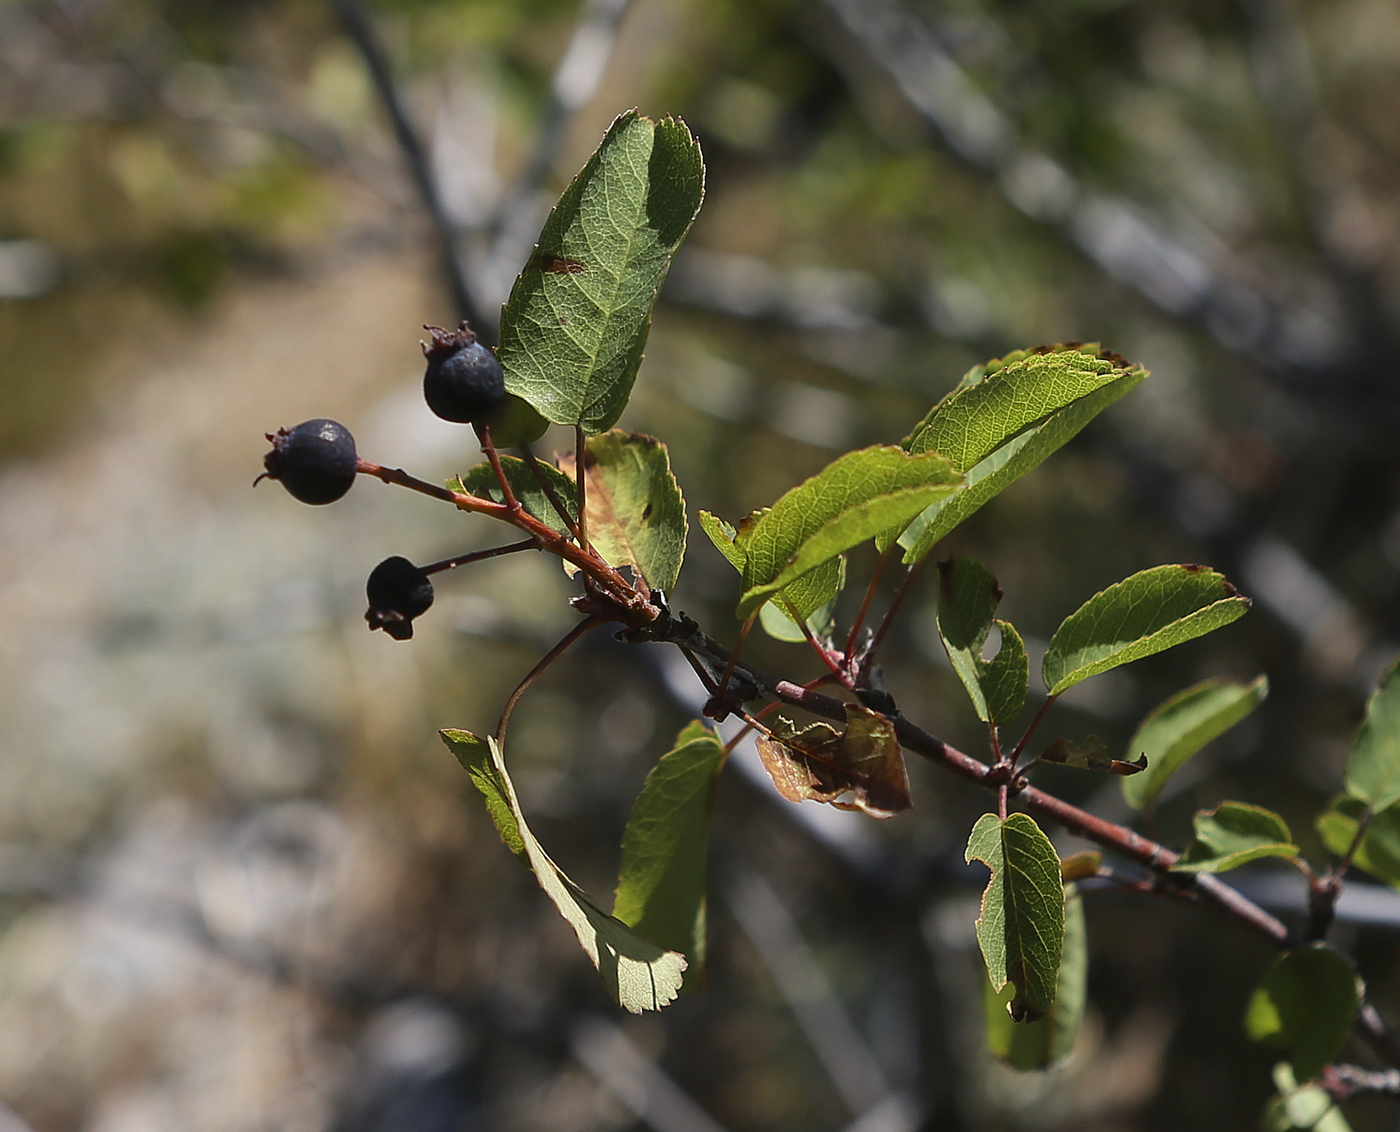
863, 762
1090, 755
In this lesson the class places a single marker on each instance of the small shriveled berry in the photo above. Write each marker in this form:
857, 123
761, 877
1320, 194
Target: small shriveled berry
315, 461
463, 382
398, 591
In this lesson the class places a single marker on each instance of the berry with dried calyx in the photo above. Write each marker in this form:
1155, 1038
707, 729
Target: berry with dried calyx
398, 591
463, 382
315, 461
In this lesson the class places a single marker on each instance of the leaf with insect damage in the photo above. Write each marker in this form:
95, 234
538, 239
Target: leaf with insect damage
576, 322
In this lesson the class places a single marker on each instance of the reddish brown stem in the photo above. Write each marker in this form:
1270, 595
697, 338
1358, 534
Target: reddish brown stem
549, 658
483, 432
580, 456
888, 619
528, 455
729, 668
1015, 755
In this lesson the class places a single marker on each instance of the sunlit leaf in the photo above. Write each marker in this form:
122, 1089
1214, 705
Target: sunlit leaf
1020, 452
576, 322
639, 975
812, 598
1047, 1043
1301, 1108
1233, 834
636, 516
1379, 851
1306, 1004
1022, 925
1079, 866
851, 500
863, 762
968, 596
1146, 613
1178, 727
661, 881
481, 481
1373, 771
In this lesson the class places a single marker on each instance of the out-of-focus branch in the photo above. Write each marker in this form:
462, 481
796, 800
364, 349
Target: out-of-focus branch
361, 31
1134, 248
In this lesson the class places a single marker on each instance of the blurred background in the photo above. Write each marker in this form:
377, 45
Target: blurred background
242, 885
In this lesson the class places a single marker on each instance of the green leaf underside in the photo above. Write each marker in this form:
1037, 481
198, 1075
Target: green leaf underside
1373, 771
820, 764
576, 322
661, 881
968, 597
1180, 726
1306, 1108
481, 481
1144, 614
516, 422
975, 420
812, 598
1379, 851
636, 516
1045, 1044
1022, 926
1005, 465
851, 500
1306, 1004
638, 974
1233, 834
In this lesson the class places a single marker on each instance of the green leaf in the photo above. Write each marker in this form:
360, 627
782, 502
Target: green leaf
1045, 1044
1006, 464
1022, 926
851, 500
1233, 834
977, 418
1308, 1108
1178, 727
1307, 1005
636, 516
723, 536
576, 322
968, 596
481, 481
825, 765
638, 974
1373, 771
1146, 613
661, 882
812, 598
516, 422
1379, 851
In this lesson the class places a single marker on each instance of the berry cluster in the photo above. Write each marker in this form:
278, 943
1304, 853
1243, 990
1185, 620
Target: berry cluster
317, 463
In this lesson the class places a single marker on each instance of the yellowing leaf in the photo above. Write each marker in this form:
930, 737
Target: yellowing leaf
825, 765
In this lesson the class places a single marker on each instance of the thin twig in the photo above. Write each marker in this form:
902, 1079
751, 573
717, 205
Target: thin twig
865, 604
360, 29
483, 432
481, 555
733, 659
580, 455
888, 619
528, 454
1015, 755
549, 658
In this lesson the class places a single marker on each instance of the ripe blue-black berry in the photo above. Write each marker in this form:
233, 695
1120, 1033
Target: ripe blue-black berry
315, 461
463, 382
398, 591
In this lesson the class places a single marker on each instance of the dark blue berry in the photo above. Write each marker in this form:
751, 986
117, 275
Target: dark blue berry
463, 382
315, 461
398, 591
